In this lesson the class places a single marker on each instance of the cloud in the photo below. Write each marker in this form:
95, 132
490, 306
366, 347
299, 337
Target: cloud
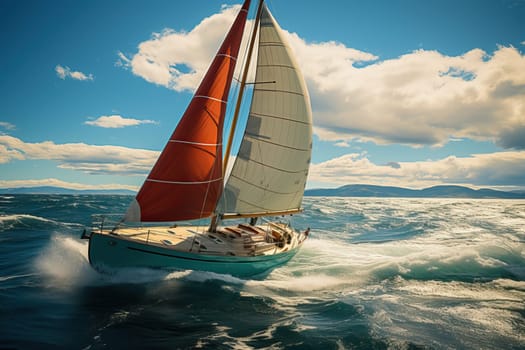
7, 126
92, 159
490, 170
179, 59
342, 144
421, 98
66, 72
63, 184
116, 121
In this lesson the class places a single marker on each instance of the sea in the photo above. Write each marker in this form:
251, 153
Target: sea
375, 273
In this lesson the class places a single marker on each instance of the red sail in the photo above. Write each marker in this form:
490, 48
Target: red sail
186, 181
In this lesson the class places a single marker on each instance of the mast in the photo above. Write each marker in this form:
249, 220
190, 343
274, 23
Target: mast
214, 221
241, 88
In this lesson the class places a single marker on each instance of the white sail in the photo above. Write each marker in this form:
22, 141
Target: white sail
270, 171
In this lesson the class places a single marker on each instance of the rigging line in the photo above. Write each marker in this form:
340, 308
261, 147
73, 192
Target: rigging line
281, 91
263, 188
236, 90
241, 89
278, 169
262, 82
259, 138
281, 118
246, 61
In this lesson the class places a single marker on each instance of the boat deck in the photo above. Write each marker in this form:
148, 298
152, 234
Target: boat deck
238, 240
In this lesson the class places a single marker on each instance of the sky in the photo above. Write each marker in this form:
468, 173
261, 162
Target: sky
404, 93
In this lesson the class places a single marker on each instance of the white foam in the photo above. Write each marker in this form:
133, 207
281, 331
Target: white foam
19, 217
460, 290
7, 278
65, 263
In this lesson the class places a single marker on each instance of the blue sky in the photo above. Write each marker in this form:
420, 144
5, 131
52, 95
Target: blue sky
404, 93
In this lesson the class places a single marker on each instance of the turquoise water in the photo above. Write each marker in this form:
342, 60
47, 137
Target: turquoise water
374, 274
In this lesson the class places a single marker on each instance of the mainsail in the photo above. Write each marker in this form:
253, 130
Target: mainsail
270, 171
186, 181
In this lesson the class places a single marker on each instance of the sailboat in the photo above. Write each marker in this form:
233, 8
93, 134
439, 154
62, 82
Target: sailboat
185, 215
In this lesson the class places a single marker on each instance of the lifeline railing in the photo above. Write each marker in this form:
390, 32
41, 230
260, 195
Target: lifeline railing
113, 222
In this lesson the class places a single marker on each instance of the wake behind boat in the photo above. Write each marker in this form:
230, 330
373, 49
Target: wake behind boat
268, 176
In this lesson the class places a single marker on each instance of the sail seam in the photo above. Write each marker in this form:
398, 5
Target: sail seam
262, 188
281, 118
196, 143
255, 136
276, 65
272, 43
226, 55
282, 91
210, 98
184, 182
278, 169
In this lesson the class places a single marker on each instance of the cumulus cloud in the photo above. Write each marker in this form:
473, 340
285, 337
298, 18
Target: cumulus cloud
7, 126
66, 72
117, 121
64, 184
91, 159
421, 98
491, 170
179, 59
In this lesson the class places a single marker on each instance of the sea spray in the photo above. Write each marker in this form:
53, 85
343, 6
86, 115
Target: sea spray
64, 263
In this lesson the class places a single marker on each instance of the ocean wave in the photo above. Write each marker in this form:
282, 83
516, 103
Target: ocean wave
7, 278
460, 314
21, 217
12, 221
25, 221
396, 273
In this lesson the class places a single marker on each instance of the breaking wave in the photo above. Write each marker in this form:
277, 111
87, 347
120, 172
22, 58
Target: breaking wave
374, 273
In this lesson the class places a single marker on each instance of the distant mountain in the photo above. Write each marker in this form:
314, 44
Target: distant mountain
343, 191
431, 192
60, 190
